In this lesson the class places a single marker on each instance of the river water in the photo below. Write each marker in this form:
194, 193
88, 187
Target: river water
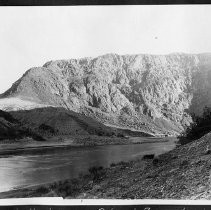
49, 166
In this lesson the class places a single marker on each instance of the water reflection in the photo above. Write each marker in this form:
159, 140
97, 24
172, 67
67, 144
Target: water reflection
26, 170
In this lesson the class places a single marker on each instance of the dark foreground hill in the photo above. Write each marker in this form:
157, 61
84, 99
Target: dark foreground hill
55, 121
44, 123
12, 129
153, 93
52, 121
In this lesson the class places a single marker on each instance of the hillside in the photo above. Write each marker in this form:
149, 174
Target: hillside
51, 121
8, 125
150, 93
183, 173
57, 127
48, 122
12, 129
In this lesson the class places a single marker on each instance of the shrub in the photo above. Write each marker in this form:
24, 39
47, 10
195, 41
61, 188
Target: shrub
35, 136
208, 150
150, 156
112, 164
184, 163
47, 128
67, 187
199, 127
155, 161
100, 133
42, 190
97, 172
123, 163
120, 135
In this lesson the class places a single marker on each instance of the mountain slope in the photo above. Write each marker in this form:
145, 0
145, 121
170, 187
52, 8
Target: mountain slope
154, 93
40, 123
52, 121
183, 173
11, 128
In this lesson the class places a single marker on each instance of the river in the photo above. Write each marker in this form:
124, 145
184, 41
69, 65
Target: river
49, 166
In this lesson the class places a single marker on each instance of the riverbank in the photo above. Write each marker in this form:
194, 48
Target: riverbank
183, 173
28, 145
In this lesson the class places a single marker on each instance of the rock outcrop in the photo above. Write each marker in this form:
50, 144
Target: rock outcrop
154, 93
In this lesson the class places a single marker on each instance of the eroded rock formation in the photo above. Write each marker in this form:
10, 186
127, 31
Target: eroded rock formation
145, 92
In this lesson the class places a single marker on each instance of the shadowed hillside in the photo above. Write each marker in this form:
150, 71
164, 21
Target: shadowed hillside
11, 128
200, 126
51, 121
55, 121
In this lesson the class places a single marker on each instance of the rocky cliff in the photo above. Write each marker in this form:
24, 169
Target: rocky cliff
154, 93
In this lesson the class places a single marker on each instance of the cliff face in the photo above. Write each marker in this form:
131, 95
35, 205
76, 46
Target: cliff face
150, 92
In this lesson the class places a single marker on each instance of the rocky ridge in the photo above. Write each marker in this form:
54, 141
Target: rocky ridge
154, 93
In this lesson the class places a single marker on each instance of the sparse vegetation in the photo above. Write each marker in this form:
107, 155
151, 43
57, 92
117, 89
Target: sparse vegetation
71, 187
155, 161
47, 128
208, 150
11, 128
199, 127
97, 172
42, 190
120, 135
112, 164
184, 163
150, 156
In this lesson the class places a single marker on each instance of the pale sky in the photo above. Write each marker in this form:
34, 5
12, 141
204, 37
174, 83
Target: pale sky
31, 36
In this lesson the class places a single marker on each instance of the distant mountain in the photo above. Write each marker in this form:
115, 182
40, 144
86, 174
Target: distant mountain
153, 93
